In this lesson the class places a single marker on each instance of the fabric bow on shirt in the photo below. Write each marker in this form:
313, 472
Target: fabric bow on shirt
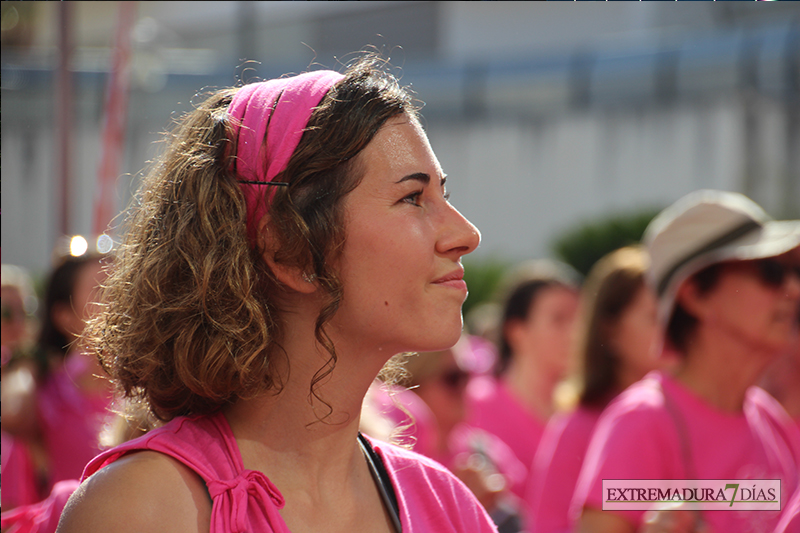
238, 494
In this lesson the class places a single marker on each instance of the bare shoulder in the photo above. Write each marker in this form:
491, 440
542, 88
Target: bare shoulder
144, 491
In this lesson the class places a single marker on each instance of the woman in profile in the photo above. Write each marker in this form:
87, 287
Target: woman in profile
294, 237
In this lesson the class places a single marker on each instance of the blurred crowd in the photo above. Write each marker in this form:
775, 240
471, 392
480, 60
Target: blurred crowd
58, 408
681, 339
667, 352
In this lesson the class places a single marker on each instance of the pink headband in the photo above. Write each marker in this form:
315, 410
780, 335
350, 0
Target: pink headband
273, 115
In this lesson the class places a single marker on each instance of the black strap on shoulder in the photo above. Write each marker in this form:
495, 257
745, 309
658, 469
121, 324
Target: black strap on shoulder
382, 480
686, 446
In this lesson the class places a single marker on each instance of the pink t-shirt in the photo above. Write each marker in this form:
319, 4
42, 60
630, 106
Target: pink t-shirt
71, 420
637, 437
555, 469
790, 519
430, 498
492, 408
18, 477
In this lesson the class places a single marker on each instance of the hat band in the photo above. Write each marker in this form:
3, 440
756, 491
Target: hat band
719, 242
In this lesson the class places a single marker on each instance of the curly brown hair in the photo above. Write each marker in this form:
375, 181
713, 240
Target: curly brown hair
192, 320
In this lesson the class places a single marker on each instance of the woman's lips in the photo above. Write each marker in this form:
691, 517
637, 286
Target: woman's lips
454, 279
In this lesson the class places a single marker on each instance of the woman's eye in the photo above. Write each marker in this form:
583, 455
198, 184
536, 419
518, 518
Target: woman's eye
413, 198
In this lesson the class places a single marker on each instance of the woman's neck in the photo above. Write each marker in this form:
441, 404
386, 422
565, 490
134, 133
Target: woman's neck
314, 460
532, 385
720, 369
304, 435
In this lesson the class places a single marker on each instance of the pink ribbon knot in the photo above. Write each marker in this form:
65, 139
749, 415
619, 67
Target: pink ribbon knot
236, 495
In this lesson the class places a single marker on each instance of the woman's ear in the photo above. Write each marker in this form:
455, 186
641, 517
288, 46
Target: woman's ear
689, 297
292, 277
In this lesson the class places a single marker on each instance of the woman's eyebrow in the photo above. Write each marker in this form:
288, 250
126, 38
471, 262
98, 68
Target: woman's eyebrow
417, 176
423, 178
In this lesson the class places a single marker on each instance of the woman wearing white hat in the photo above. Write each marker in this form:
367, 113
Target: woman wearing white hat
728, 281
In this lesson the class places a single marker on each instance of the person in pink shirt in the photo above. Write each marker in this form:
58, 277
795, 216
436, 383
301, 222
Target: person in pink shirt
429, 404
42, 515
617, 344
295, 235
428, 412
19, 483
536, 332
728, 281
72, 399
60, 416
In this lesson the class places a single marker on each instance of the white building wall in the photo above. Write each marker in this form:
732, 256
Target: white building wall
525, 162
523, 183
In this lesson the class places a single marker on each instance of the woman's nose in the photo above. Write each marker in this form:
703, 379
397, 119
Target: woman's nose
459, 237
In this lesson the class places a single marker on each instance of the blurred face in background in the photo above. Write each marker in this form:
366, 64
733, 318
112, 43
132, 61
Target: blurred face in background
636, 337
443, 392
13, 318
547, 333
755, 302
72, 318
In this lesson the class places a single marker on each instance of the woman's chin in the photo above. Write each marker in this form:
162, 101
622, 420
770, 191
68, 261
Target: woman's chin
443, 342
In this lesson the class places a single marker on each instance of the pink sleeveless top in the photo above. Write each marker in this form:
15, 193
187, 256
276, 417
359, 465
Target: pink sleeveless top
430, 498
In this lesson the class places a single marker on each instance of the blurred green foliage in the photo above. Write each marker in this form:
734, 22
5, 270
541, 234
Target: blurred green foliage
580, 247
583, 245
483, 278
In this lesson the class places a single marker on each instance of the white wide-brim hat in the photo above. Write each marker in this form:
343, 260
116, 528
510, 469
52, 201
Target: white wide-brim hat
708, 227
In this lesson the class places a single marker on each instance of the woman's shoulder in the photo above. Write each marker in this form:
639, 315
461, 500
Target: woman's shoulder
153, 482
576, 424
640, 410
142, 491
763, 411
643, 398
760, 401
203, 443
